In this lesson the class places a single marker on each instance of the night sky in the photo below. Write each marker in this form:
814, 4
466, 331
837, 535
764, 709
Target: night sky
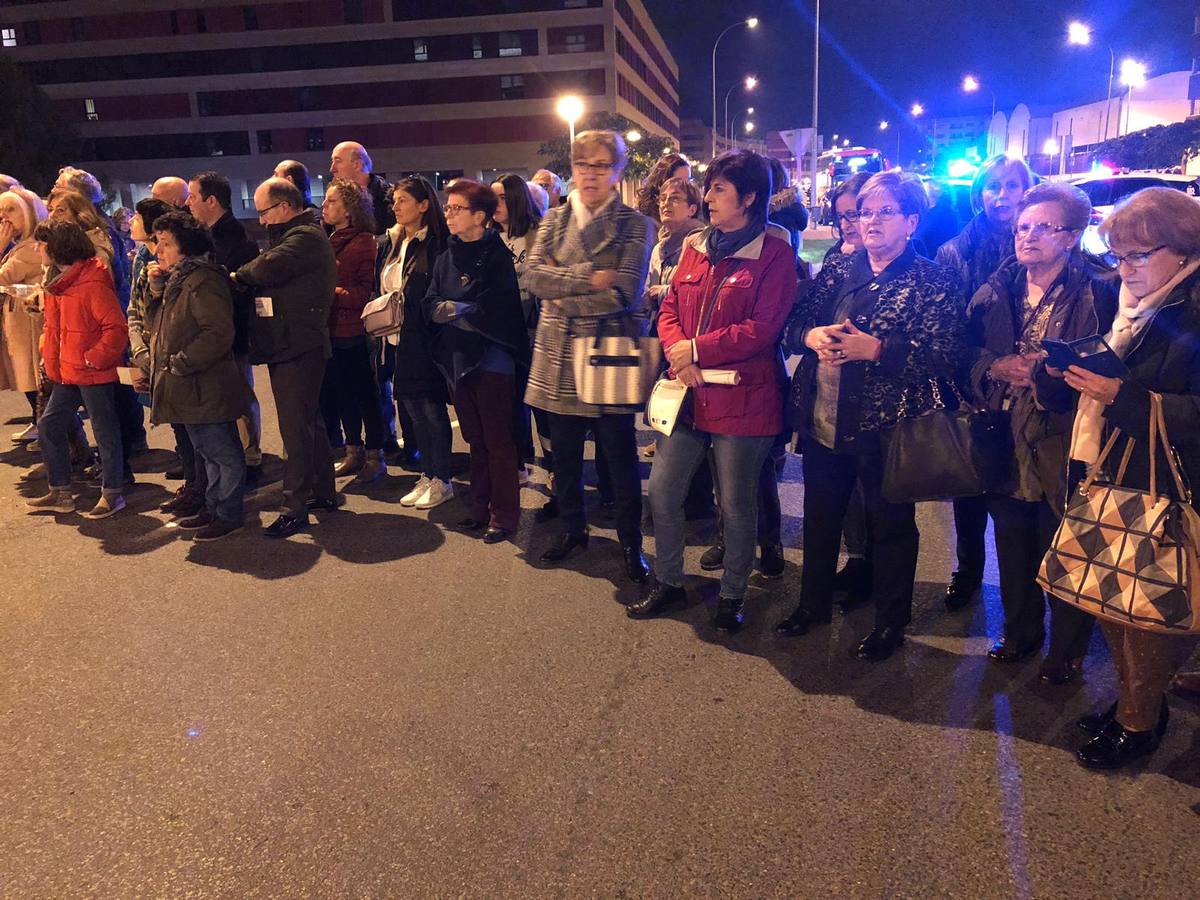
894, 53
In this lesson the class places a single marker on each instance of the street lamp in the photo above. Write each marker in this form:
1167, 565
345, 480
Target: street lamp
570, 110
917, 111
1079, 34
633, 136
749, 83
970, 84
750, 23
1133, 74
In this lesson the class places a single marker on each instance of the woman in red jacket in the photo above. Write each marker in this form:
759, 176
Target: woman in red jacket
83, 341
726, 306
349, 392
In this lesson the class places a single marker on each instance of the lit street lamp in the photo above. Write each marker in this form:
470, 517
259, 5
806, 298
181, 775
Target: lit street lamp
749, 83
750, 23
917, 111
1079, 34
1133, 74
570, 110
633, 136
970, 84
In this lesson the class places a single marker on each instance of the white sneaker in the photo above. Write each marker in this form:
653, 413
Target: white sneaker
105, 507
436, 494
418, 491
24, 437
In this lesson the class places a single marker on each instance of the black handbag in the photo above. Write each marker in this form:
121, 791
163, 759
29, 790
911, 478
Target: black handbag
947, 453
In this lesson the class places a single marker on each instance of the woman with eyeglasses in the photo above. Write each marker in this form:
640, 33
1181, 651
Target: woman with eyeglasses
481, 352
879, 336
1155, 237
665, 168
589, 262
985, 242
1047, 292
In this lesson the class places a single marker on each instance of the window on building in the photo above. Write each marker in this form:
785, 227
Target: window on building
77, 30
314, 138
174, 23
510, 44
477, 47
420, 50
352, 11
201, 22
203, 105
512, 87
576, 42
250, 17
264, 142
33, 32
307, 98
8, 37
574, 4
89, 109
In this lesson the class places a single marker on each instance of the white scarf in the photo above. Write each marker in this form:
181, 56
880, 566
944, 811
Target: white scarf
581, 214
1133, 316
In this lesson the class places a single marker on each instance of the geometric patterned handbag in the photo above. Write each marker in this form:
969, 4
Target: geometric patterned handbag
1127, 555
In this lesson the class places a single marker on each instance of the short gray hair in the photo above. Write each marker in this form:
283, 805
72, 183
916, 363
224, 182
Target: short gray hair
906, 189
1074, 203
82, 182
607, 140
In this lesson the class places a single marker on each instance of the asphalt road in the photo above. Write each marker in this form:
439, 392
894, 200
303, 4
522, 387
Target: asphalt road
386, 708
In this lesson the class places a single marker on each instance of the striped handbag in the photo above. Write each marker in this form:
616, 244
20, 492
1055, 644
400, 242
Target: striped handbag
1127, 555
617, 366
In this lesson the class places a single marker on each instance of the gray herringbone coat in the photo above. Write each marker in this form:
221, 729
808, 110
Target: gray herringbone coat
559, 271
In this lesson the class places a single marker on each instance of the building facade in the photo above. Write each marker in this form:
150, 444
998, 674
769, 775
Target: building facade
442, 87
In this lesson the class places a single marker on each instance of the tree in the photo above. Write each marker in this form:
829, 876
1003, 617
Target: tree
1160, 147
642, 153
35, 141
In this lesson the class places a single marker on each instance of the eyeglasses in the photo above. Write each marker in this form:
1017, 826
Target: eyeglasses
1026, 229
671, 199
586, 167
849, 218
263, 212
1139, 259
451, 209
883, 214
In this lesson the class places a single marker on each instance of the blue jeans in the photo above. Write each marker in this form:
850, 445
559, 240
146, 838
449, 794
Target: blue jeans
431, 435
219, 451
59, 421
738, 460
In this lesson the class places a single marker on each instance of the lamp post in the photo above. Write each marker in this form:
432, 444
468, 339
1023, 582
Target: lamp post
570, 110
1133, 74
970, 84
750, 23
1079, 34
816, 139
749, 83
734, 124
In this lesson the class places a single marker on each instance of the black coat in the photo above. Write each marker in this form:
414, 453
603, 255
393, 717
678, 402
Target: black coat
381, 201
977, 252
232, 249
416, 374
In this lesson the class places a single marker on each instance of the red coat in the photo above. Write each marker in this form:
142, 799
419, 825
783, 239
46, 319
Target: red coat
86, 334
355, 251
747, 298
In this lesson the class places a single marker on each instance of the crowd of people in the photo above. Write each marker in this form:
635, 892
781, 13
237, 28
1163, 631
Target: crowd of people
491, 286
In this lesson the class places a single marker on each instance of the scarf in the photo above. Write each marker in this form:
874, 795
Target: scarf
1133, 317
671, 242
179, 273
723, 244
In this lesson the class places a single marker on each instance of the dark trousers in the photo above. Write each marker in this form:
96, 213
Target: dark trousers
383, 356
428, 432
195, 475
219, 452
970, 532
350, 396
484, 402
130, 417
308, 469
616, 451
829, 480
1024, 531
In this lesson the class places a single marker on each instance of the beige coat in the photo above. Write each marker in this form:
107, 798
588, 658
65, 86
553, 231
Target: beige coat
21, 330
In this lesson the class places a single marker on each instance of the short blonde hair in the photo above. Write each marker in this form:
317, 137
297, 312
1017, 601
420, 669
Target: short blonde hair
606, 140
998, 164
32, 208
1156, 216
905, 188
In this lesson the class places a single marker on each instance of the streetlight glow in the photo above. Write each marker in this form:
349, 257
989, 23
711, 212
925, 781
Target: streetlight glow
917, 110
750, 110
570, 109
846, 142
752, 22
1050, 148
633, 136
970, 84
883, 125
749, 126
1133, 73
1079, 34
751, 82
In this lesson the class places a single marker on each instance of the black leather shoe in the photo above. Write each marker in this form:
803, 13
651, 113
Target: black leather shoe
313, 504
770, 561
801, 621
657, 599
1117, 746
562, 548
962, 590
880, 643
1008, 650
286, 526
729, 614
1060, 671
635, 564
495, 535
470, 524
1094, 723
713, 558
548, 512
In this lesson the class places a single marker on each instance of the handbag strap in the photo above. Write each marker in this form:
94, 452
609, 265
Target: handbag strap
1094, 469
1156, 411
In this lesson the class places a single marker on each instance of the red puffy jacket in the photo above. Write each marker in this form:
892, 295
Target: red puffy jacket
355, 251
85, 334
735, 310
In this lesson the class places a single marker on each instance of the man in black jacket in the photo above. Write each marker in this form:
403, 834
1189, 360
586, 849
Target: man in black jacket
293, 285
210, 202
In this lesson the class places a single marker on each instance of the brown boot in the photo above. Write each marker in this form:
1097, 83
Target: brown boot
351, 462
373, 469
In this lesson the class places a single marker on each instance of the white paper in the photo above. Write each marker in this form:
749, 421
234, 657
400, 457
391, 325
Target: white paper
721, 376
263, 307
125, 374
